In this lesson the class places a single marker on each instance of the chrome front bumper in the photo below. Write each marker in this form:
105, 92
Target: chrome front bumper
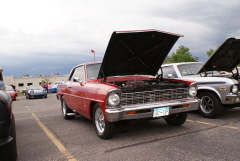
146, 110
232, 99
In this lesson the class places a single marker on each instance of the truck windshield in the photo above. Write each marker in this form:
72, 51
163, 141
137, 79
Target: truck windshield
192, 69
93, 70
189, 69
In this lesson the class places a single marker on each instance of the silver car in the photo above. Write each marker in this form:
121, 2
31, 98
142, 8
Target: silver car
35, 91
216, 91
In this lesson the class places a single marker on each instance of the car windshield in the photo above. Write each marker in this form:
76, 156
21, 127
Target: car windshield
192, 69
35, 87
93, 70
9, 88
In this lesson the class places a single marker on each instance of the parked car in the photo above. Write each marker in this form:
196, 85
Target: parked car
125, 86
8, 148
54, 86
11, 92
35, 91
216, 91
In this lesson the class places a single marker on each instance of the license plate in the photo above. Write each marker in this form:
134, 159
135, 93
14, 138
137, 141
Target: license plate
163, 111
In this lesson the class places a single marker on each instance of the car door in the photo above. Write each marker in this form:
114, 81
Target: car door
76, 89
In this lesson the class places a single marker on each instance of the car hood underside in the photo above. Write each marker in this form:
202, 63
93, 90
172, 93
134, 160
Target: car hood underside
136, 52
225, 58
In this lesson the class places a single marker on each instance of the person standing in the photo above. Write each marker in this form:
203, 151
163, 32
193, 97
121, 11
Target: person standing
49, 88
45, 86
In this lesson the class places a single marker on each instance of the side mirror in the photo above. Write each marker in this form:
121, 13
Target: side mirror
76, 80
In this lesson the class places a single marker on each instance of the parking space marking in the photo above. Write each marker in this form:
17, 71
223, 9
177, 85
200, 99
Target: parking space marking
211, 124
26, 118
27, 107
57, 143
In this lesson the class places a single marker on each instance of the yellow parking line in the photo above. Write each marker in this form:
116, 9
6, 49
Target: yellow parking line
206, 123
57, 143
232, 127
211, 124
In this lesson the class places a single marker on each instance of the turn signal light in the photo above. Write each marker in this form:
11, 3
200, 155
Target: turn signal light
186, 105
131, 112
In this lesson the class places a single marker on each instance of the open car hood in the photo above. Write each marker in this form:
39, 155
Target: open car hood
136, 52
225, 58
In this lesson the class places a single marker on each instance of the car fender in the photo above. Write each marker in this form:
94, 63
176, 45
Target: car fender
210, 89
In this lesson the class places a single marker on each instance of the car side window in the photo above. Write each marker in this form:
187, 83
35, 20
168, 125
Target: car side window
169, 70
78, 73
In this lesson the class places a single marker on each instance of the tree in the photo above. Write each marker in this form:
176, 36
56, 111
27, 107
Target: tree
210, 52
182, 55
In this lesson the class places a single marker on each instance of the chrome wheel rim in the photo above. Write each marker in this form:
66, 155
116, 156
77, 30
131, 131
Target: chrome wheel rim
206, 104
99, 120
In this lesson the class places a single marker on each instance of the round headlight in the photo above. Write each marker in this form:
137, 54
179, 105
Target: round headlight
192, 91
234, 89
113, 99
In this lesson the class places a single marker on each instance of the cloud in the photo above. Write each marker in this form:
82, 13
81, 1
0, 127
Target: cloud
64, 32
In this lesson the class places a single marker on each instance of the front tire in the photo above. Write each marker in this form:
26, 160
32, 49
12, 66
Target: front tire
67, 112
177, 119
210, 105
103, 128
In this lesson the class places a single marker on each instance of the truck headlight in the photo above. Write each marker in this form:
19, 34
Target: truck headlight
234, 89
192, 91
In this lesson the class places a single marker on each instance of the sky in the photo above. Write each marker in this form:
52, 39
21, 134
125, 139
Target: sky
53, 36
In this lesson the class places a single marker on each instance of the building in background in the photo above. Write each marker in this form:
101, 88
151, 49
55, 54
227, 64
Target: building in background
26, 80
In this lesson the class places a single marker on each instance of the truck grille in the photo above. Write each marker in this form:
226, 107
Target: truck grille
153, 96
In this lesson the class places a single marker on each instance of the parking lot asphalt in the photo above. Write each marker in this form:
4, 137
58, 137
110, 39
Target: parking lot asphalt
43, 134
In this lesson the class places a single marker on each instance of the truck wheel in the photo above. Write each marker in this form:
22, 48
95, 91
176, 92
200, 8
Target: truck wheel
210, 105
177, 119
67, 112
9, 151
103, 128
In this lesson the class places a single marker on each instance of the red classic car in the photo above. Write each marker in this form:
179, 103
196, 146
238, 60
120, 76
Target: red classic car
126, 85
11, 92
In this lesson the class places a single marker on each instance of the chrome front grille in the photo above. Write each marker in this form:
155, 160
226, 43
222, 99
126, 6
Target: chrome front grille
153, 96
